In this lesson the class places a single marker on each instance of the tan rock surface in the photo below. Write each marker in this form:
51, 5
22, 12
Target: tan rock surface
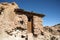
11, 24
14, 26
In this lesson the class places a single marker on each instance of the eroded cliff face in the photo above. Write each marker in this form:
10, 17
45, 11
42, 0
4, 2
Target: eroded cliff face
14, 26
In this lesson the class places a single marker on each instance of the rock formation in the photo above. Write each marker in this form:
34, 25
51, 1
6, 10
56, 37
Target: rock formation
54, 31
17, 24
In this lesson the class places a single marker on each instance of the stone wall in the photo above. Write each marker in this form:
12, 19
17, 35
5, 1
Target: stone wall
15, 26
12, 25
37, 25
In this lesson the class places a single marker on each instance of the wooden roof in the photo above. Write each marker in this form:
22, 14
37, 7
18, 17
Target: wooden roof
19, 11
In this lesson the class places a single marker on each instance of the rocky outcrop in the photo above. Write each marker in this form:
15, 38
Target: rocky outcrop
54, 31
50, 33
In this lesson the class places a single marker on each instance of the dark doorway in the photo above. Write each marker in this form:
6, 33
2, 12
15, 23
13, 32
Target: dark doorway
30, 24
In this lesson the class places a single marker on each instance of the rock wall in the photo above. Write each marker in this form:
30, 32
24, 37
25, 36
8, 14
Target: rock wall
14, 26
37, 25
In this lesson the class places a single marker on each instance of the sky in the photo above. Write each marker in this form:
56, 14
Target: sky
50, 8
